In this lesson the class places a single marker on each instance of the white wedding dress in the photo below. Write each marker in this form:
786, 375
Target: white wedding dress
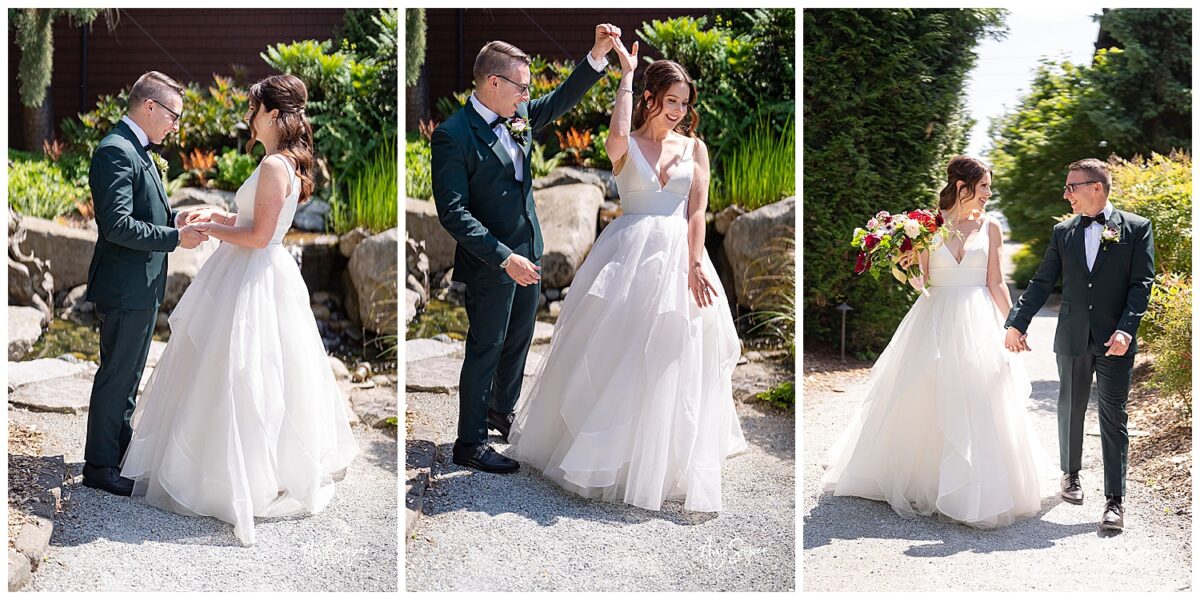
634, 401
242, 417
944, 427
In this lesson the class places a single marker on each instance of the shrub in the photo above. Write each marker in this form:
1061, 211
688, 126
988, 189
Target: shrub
782, 396
417, 168
212, 117
1166, 332
38, 188
370, 196
235, 167
1160, 189
540, 164
760, 171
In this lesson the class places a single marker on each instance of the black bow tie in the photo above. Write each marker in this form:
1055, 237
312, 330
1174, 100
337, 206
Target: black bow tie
497, 121
1086, 221
152, 147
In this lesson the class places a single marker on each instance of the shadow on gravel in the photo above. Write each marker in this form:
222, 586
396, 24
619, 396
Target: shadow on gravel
850, 518
771, 429
529, 494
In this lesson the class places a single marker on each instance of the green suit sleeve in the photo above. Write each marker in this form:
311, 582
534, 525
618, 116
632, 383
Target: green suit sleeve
111, 180
1141, 279
452, 194
1040, 287
546, 109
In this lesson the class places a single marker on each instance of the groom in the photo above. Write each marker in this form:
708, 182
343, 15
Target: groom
482, 185
128, 272
1106, 259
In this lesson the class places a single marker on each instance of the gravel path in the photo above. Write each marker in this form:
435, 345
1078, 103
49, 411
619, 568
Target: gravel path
1059, 550
522, 532
109, 543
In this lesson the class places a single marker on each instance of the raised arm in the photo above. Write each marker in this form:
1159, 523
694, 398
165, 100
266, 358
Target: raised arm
544, 110
273, 180
617, 143
111, 179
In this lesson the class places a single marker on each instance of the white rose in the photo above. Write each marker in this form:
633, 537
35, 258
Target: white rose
912, 228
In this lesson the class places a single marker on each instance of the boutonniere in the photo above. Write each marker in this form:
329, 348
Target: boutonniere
1110, 235
161, 163
517, 127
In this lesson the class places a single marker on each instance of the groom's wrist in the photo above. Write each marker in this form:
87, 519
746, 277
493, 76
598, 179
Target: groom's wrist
599, 64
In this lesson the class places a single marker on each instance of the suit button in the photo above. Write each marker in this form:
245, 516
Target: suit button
1089, 307
1089, 284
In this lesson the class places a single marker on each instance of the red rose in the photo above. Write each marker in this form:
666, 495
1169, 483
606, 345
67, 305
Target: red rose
862, 264
870, 241
906, 245
918, 215
938, 219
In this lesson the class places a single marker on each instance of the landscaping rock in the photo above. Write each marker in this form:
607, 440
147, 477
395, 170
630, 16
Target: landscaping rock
426, 348
67, 251
339, 368
373, 270
34, 540
194, 196
19, 570
422, 224
374, 406
311, 216
32, 371
568, 218
351, 239
601, 178
320, 258
25, 327
542, 331
68, 395
754, 249
723, 219
30, 284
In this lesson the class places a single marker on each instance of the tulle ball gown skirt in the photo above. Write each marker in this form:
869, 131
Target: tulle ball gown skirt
241, 417
944, 428
634, 401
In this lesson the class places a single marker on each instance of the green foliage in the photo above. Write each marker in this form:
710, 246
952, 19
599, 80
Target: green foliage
84, 133
370, 195
599, 154
414, 46
418, 172
1159, 189
38, 188
743, 66
212, 117
782, 396
35, 36
235, 167
777, 317
882, 115
1166, 332
540, 164
761, 170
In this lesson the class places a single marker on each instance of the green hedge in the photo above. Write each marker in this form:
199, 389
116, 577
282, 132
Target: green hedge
882, 116
1166, 333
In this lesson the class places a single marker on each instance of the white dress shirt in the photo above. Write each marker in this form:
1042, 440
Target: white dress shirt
510, 145
1091, 247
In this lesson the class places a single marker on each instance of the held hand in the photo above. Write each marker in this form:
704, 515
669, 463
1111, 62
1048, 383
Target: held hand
191, 236
1117, 344
628, 58
1014, 340
702, 289
908, 259
604, 39
522, 270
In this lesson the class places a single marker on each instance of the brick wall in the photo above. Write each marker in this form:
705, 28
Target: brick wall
195, 44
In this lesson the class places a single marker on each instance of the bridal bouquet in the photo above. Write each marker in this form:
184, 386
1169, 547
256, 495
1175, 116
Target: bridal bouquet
887, 238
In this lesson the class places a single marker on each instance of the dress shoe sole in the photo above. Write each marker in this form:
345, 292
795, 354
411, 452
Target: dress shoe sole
1075, 501
106, 488
474, 464
1112, 527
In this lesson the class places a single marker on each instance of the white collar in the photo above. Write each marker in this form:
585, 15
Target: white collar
1108, 211
488, 114
141, 135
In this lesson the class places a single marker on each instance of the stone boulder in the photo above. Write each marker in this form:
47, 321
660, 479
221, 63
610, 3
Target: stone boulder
182, 266
758, 246
25, 327
67, 251
373, 272
568, 217
723, 219
602, 178
350, 240
321, 260
421, 221
194, 196
311, 216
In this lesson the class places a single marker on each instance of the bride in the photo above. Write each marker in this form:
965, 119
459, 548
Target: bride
242, 418
943, 428
634, 400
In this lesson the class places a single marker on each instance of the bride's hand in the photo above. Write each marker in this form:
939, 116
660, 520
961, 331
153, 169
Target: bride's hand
702, 289
908, 259
628, 58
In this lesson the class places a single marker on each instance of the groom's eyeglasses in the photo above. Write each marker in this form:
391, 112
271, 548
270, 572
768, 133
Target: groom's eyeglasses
523, 88
174, 115
1070, 187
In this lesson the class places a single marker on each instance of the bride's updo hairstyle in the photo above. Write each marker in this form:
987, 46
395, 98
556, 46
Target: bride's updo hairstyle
659, 77
288, 94
967, 169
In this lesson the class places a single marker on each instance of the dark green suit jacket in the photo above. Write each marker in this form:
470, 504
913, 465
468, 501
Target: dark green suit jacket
1112, 296
479, 200
129, 264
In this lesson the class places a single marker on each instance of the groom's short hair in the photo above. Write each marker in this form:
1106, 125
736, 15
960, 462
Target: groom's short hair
498, 57
153, 86
1095, 169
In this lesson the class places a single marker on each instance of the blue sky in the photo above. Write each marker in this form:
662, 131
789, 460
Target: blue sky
1005, 68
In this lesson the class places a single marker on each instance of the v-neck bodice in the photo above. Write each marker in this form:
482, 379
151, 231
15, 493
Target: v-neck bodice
971, 271
641, 190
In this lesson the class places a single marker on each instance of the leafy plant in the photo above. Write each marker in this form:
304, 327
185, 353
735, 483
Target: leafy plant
599, 154
37, 188
212, 116
370, 196
782, 396
235, 167
776, 280
199, 165
575, 145
414, 47
1166, 333
761, 170
540, 164
418, 181
1160, 189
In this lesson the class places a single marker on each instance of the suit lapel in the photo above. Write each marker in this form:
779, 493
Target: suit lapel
489, 138
1077, 246
1117, 222
147, 162
526, 145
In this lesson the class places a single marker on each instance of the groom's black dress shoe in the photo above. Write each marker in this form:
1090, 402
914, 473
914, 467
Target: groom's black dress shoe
108, 479
1071, 490
500, 422
1114, 515
485, 459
